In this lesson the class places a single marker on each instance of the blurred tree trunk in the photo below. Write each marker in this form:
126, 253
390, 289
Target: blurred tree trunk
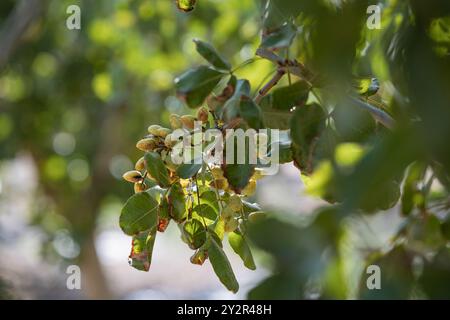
84, 209
12, 31
94, 283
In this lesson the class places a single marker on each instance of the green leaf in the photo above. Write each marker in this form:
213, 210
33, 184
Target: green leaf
273, 118
445, 228
397, 277
211, 55
383, 198
241, 88
177, 203
210, 198
230, 108
435, 278
195, 233
298, 250
142, 250
239, 244
222, 266
164, 210
441, 175
278, 287
187, 170
206, 211
296, 94
352, 123
424, 232
139, 214
280, 38
163, 215
238, 175
411, 191
307, 124
218, 230
196, 84
276, 107
284, 151
240, 170
156, 169
251, 113
374, 181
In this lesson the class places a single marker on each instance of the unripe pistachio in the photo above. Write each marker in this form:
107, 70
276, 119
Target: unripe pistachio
184, 183
188, 121
139, 187
199, 257
146, 144
249, 189
230, 225
163, 132
257, 175
153, 129
217, 173
140, 164
235, 203
220, 184
202, 115
227, 213
168, 142
175, 121
256, 216
133, 176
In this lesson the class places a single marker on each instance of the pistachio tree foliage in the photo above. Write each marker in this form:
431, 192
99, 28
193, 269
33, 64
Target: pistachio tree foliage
367, 111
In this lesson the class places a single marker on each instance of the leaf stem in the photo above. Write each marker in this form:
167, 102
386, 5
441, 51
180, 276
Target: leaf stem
198, 198
216, 192
245, 63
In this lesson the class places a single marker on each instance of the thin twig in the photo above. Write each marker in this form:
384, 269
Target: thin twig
379, 115
296, 68
288, 72
269, 85
299, 70
198, 198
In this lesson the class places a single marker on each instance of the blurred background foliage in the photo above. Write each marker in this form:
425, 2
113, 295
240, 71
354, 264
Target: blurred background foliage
74, 102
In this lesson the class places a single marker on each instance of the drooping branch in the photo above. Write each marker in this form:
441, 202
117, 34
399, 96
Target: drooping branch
378, 114
298, 69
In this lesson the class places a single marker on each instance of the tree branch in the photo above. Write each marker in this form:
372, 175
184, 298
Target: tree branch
269, 85
14, 27
378, 114
298, 69
294, 67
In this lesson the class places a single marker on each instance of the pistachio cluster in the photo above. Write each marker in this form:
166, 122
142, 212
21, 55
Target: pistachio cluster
159, 139
206, 201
